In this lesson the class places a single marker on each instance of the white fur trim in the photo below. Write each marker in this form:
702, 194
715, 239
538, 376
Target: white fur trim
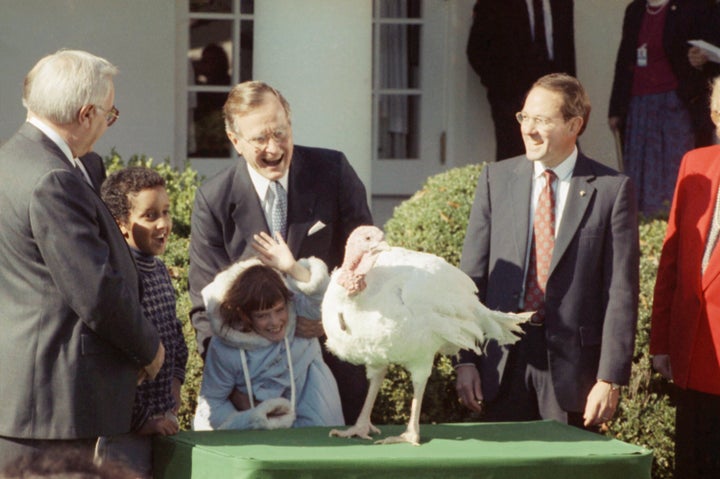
201, 420
318, 276
284, 420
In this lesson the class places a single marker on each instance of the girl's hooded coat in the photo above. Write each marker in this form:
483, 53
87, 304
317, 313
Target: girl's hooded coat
264, 369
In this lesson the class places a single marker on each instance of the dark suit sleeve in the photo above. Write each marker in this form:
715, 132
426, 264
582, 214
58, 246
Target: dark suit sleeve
71, 241
624, 65
208, 256
474, 260
485, 47
621, 271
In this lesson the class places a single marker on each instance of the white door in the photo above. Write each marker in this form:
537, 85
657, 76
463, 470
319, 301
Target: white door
409, 92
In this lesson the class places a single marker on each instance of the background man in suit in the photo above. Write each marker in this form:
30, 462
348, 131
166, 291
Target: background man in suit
510, 46
74, 340
325, 201
685, 331
567, 250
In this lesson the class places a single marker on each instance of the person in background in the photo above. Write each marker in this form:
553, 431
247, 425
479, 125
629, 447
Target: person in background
512, 43
138, 201
711, 34
659, 100
74, 340
253, 313
312, 196
685, 325
556, 233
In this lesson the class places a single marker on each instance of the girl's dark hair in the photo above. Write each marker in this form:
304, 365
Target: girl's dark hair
117, 189
257, 288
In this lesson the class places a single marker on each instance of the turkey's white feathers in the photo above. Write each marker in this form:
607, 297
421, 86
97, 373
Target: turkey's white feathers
415, 304
393, 305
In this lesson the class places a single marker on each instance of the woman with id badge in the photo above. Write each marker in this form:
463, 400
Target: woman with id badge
659, 102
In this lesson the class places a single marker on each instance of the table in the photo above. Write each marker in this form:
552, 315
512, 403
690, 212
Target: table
537, 449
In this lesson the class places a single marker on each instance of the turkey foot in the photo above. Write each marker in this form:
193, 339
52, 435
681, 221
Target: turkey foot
358, 430
407, 436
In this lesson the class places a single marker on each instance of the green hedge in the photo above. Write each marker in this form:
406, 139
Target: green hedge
434, 220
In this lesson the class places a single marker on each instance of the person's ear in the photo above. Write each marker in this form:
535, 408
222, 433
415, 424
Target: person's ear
575, 125
232, 137
123, 229
85, 115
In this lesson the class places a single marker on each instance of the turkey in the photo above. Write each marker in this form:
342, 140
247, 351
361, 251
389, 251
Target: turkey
392, 305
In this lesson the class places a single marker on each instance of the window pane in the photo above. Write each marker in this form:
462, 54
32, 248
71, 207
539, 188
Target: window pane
398, 126
246, 50
247, 6
206, 132
399, 8
399, 56
214, 6
210, 50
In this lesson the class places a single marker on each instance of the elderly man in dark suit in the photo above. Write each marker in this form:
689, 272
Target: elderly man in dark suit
554, 232
321, 201
74, 341
512, 43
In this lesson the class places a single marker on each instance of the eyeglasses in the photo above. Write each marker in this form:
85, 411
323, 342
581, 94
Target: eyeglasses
279, 136
111, 115
539, 121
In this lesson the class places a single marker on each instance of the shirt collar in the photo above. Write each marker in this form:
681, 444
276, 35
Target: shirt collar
261, 183
54, 136
563, 171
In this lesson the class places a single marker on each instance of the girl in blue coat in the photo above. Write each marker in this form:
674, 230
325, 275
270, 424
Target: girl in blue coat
253, 313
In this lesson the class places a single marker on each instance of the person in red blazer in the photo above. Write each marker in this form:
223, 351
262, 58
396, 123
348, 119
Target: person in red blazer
685, 330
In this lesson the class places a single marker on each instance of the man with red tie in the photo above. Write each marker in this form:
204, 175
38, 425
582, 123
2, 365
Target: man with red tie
553, 232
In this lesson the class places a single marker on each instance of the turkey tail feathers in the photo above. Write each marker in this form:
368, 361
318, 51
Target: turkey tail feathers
502, 327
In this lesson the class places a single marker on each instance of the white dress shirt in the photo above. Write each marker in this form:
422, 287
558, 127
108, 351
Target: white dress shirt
262, 188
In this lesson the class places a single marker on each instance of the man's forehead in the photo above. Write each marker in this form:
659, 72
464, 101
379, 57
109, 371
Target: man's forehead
262, 119
541, 101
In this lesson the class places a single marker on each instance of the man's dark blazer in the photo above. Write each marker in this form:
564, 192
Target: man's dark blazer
592, 289
686, 20
227, 212
95, 167
500, 50
73, 334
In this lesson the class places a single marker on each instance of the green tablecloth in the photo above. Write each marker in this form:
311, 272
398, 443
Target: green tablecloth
542, 449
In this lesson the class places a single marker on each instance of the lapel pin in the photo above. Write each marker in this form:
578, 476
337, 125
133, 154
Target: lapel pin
582, 192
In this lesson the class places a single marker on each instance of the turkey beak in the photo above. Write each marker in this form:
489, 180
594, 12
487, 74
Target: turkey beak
380, 246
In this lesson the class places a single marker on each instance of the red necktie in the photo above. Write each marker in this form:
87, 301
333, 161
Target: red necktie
543, 242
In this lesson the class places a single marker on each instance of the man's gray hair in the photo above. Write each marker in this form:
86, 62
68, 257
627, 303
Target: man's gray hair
59, 85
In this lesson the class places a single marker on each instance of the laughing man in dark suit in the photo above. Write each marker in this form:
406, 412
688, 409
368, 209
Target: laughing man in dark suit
325, 201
